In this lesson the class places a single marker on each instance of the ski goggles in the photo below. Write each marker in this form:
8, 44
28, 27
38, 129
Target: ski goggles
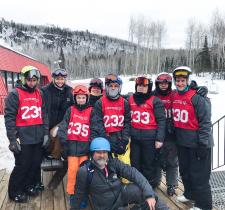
96, 82
164, 78
112, 78
80, 89
59, 72
32, 73
181, 73
142, 81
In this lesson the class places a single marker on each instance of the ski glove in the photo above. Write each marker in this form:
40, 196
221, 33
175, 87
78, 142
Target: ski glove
201, 90
15, 147
46, 142
201, 152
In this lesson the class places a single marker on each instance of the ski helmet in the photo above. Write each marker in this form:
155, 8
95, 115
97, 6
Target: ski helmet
182, 71
142, 80
80, 90
109, 79
163, 77
113, 78
96, 82
59, 72
28, 72
100, 144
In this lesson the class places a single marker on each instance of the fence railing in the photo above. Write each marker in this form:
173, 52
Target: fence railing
218, 151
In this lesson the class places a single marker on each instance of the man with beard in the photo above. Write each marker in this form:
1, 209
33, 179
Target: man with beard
111, 116
100, 178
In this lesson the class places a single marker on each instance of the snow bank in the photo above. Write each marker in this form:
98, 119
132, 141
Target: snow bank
6, 159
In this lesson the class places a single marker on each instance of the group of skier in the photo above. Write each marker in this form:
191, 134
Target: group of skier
162, 126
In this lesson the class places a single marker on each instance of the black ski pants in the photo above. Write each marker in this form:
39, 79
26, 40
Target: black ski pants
169, 162
26, 169
195, 174
144, 158
131, 194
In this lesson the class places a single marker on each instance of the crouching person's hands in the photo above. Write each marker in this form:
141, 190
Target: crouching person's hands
15, 147
151, 203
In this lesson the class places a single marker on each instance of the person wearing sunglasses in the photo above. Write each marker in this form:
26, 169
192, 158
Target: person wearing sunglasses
168, 160
148, 123
111, 117
95, 90
27, 130
74, 133
58, 98
193, 129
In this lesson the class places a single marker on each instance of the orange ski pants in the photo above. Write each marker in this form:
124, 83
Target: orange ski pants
73, 167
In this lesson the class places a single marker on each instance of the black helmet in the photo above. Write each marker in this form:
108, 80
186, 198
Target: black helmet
96, 82
143, 81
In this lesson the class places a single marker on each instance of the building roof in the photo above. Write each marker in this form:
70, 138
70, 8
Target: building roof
14, 61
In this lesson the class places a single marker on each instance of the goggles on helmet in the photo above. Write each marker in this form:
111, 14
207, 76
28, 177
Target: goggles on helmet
164, 78
80, 89
112, 78
32, 73
181, 73
59, 72
142, 81
96, 82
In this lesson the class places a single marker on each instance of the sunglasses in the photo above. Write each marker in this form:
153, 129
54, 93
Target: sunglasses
142, 81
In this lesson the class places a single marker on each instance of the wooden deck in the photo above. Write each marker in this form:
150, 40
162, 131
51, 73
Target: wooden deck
58, 199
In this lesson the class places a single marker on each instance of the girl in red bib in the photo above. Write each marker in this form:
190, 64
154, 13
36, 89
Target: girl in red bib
74, 132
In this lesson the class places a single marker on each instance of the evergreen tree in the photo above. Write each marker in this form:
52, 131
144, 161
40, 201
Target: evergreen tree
62, 59
202, 60
205, 57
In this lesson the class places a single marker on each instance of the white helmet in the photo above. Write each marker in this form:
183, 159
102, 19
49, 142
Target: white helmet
183, 71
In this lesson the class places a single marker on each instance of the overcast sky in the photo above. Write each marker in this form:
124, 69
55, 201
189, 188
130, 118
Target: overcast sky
111, 17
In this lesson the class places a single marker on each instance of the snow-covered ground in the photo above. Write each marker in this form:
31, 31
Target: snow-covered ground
217, 95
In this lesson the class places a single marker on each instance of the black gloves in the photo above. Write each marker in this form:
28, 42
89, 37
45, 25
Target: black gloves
15, 147
46, 142
201, 151
118, 147
122, 145
201, 90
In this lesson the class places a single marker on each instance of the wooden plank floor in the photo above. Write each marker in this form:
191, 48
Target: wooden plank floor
58, 199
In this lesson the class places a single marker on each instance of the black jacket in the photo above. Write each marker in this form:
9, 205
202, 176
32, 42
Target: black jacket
74, 148
98, 129
57, 102
105, 191
154, 134
27, 134
170, 131
191, 138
